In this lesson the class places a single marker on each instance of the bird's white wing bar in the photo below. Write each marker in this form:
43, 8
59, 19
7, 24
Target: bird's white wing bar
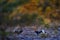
43, 31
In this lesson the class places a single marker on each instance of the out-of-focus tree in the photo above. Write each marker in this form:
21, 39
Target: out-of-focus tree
27, 19
40, 20
7, 6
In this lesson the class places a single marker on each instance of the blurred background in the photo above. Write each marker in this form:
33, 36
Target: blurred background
15, 10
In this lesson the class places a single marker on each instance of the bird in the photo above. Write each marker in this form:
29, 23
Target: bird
38, 32
19, 32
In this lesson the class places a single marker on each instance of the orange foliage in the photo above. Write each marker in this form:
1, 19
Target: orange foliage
31, 7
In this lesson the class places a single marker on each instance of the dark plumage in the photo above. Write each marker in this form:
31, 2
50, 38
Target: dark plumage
19, 32
38, 32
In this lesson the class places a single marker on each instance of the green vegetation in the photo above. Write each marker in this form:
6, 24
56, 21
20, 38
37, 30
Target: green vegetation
28, 19
41, 21
7, 7
3, 34
47, 26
